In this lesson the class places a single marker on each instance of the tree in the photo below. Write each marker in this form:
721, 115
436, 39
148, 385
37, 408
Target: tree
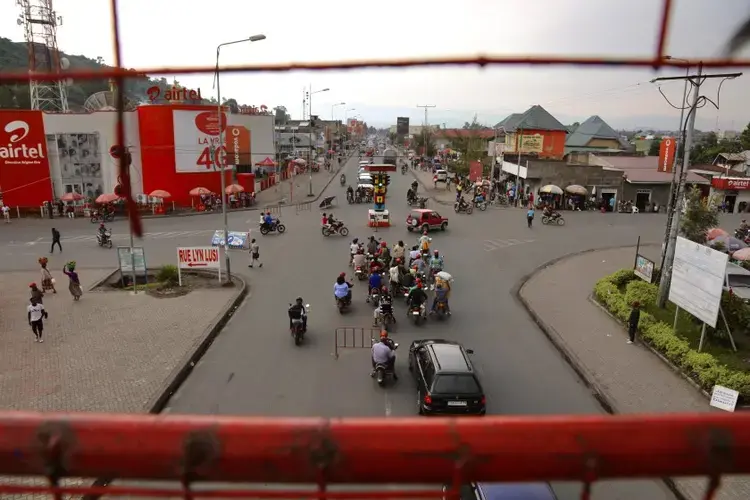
745, 138
232, 105
653, 148
281, 115
699, 217
424, 143
393, 137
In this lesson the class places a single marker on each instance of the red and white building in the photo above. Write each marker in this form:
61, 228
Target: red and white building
734, 191
43, 156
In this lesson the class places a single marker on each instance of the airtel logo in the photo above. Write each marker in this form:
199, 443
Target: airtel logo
17, 126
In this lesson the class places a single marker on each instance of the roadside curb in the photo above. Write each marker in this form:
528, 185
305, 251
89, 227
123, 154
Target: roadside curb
599, 393
102, 280
178, 376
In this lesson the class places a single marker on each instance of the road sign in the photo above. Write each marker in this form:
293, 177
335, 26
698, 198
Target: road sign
198, 258
126, 261
237, 239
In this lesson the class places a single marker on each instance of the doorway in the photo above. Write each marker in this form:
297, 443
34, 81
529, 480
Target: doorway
609, 198
643, 199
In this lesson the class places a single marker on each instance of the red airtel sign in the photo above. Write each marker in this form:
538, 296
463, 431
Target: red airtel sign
728, 184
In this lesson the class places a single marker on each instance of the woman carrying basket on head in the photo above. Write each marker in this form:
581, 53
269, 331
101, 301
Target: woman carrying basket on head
48, 282
75, 281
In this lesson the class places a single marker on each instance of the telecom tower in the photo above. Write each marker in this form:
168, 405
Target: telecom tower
40, 23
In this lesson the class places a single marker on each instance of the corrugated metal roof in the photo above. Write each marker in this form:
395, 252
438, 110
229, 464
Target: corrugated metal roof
645, 176
535, 118
593, 128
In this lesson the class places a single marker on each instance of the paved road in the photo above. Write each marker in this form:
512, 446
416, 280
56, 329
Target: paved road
253, 368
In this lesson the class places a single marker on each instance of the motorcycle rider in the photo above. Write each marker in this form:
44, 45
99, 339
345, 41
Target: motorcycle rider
350, 193
441, 296
372, 246
411, 196
335, 224
353, 249
375, 265
376, 281
414, 186
359, 259
424, 242
394, 275
342, 289
268, 221
324, 220
343, 179
102, 232
298, 311
383, 353
385, 306
416, 298
462, 205
743, 229
436, 263
398, 250
384, 254
413, 254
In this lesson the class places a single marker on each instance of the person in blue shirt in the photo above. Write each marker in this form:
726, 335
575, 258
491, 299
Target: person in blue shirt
375, 281
268, 220
530, 216
441, 296
342, 289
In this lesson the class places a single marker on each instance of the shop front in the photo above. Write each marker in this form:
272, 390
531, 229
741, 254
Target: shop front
731, 192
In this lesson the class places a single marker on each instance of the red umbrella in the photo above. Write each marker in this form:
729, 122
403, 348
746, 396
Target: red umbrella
715, 232
71, 197
160, 193
107, 198
199, 191
234, 189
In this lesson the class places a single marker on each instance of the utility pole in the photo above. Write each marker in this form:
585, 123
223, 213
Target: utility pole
424, 128
696, 81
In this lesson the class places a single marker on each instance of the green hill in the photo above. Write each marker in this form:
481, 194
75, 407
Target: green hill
14, 56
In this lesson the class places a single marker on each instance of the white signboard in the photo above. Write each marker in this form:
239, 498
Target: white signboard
238, 240
198, 258
126, 260
697, 280
196, 141
724, 398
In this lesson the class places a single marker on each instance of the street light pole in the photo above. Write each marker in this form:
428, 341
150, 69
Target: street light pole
334, 106
219, 156
312, 136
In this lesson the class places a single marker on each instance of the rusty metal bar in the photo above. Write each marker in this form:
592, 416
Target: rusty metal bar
418, 451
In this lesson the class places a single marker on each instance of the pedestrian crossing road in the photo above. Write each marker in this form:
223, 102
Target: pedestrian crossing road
88, 238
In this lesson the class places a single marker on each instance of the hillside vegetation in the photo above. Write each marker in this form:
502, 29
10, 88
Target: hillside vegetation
14, 56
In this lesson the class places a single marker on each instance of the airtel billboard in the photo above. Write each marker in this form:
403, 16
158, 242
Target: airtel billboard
24, 164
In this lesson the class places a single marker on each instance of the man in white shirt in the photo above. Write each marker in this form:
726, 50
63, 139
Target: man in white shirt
35, 314
382, 353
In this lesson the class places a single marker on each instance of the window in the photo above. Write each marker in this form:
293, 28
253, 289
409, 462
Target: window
456, 384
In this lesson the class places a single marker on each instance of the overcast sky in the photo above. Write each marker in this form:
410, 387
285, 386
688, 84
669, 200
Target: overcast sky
160, 33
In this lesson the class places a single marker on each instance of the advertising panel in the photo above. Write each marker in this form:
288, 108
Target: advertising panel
666, 154
24, 163
402, 125
196, 141
698, 279
730, 183
644, 268
237, 140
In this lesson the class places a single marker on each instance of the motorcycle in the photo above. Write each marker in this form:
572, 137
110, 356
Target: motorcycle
481, 204
553, 219
104, 239
382, 371
742, 234
467, 208
98, 217
440, 311
298, 329
343, 302
416, 314
276, 226
403, 169
373, 297
328, 230
343, 179
360, 273
387, 318
422, 202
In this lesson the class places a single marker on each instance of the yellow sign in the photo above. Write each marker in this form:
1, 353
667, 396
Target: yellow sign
531, 143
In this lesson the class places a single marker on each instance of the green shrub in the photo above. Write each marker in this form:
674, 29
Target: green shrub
168, 275
702, 367
642, 292
622, 277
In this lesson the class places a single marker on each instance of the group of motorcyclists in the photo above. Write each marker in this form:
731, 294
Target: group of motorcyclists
360, 195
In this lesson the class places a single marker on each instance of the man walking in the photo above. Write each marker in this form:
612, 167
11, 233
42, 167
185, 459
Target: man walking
633, 320
35, 314
255, 254
55, 241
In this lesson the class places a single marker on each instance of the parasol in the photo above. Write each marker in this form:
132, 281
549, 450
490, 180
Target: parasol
716, 232
107, 198
445, 276
234, 189
267, 162
300, 161
742, 254
576, 189
160, 193
551, 189
200, 191
71, 197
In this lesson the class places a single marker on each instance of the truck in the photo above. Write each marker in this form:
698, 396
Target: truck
390, 156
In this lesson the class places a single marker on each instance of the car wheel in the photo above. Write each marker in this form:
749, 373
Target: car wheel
420, 410
443, 226
409, 228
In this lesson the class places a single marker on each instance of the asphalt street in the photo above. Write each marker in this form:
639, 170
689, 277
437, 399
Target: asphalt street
253, 368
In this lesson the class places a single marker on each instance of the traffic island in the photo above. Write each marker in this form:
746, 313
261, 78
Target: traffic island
164, 282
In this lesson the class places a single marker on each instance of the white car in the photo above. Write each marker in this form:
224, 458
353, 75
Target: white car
440, 176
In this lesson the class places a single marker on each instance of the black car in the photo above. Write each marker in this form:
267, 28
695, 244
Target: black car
446, 380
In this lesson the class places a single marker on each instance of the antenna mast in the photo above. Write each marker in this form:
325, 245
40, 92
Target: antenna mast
40, 23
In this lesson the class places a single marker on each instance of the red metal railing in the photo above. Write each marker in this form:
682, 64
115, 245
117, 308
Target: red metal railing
364, 451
